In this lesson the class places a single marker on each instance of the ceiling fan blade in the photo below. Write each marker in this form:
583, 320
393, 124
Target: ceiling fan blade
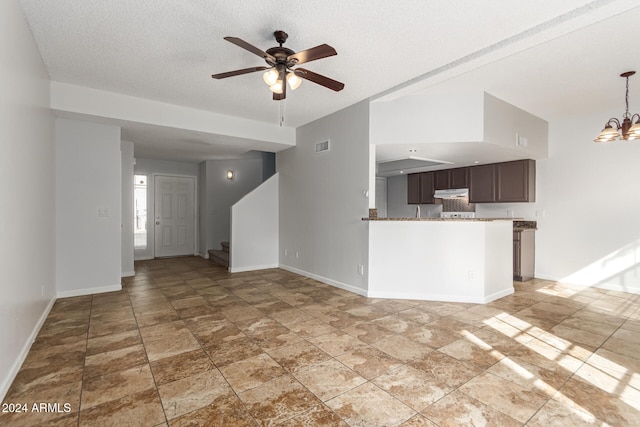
318, 52
251, 48
319, 79
238, 72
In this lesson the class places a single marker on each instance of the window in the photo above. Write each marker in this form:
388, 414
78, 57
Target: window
140, 211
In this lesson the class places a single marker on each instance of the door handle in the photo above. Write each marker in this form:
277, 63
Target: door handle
157, 222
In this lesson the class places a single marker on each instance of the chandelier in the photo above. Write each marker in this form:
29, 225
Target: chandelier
626, 129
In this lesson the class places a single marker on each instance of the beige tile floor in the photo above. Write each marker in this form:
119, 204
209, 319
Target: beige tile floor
185, 343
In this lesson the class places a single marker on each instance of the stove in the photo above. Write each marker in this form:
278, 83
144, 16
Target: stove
457, 214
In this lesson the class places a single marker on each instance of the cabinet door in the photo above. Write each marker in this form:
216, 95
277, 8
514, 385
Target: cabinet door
427, 181
413, 188
482, 184
516, 259
441, 180
459, 178
516, 181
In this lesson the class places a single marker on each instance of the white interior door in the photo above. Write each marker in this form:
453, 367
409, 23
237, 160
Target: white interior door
174, 215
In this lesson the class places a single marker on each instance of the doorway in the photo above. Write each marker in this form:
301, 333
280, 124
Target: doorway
174, 216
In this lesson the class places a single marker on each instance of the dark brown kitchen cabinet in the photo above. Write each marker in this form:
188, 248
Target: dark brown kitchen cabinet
451, 178
482, 184
420, 188
516, 181
459, 178
523, 254
427, 187
413, 189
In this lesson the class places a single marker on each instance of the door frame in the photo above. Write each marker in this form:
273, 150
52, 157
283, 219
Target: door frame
151, 202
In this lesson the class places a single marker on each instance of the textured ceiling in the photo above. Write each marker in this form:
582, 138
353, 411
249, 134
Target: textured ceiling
166, 50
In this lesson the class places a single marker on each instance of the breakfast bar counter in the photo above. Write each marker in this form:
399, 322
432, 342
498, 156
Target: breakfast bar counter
453, 259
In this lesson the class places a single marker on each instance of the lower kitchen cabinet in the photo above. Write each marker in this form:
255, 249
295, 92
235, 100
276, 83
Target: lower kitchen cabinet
524, 249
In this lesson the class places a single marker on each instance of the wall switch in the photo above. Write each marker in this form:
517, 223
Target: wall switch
361, 270
286, 252
103, 212
297, 255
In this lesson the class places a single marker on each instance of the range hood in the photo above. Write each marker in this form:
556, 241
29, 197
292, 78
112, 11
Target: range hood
451, 194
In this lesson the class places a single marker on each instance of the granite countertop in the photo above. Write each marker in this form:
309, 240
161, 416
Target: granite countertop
439, 219
519, 224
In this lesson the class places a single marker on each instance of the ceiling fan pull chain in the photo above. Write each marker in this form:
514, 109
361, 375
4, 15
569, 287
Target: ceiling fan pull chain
281, 112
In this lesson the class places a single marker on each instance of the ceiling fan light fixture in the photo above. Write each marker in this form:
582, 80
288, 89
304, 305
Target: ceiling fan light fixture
270, 77
277, 87
294, 81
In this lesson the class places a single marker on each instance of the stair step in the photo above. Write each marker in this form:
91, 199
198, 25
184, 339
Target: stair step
225, 246
219, 257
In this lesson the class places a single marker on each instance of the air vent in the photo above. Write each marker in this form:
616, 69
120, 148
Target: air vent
322, 146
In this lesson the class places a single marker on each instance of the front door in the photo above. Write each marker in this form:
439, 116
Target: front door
174, 216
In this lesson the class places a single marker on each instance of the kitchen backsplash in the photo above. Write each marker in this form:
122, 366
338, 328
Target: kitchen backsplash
459, 204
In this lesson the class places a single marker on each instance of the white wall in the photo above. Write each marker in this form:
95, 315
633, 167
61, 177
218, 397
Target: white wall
322, 201
460, 261
504, 122
429, 118
88, 207
255, 229
222, 193
127, 242
588, 192
27, 204
150, 167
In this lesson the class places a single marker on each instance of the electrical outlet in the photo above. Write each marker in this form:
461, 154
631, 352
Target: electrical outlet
509, 213
472, 275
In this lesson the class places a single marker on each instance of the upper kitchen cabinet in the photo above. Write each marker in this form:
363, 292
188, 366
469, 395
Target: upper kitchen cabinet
516, 181
482, 184
420, 188
451, 178
413, 189
427, 187
508, 182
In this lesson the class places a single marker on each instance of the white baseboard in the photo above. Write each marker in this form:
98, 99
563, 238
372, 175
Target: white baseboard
607, 286
253, 267
13, 371
89, 291
441, 297
128, 274
328, 281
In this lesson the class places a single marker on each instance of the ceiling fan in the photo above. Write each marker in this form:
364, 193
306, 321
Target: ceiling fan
281, 61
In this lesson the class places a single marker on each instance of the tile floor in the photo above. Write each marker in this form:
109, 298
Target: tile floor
186, 344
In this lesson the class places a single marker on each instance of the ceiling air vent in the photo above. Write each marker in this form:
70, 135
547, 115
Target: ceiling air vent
322, 146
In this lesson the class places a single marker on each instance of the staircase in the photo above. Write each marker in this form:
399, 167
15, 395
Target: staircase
220, 257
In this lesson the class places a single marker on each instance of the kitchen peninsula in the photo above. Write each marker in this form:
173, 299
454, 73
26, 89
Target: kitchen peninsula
440, 259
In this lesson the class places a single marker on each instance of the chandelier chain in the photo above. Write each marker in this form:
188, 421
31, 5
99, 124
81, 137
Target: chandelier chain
626, 100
